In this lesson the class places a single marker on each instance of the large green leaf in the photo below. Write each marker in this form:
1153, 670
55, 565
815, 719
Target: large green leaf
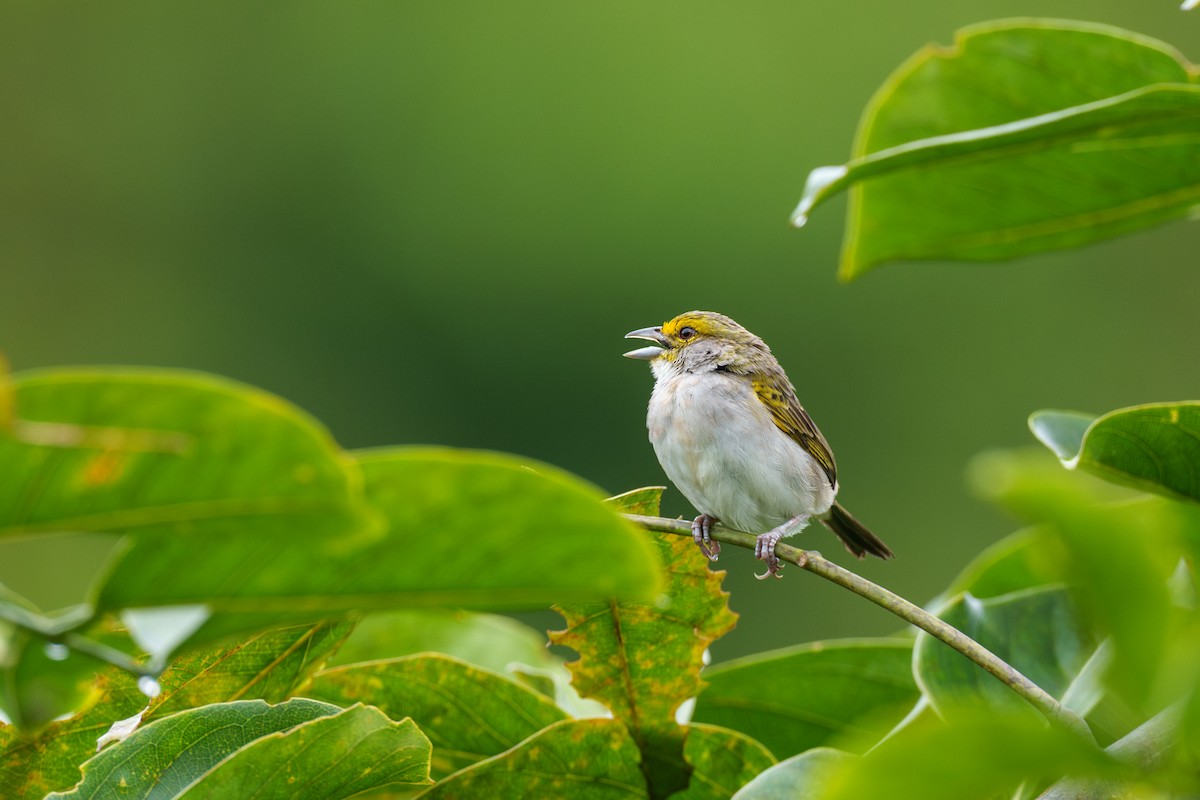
268, 666
462, 529
1025, 560
166, 452
1118, 558
642, 660
806, 696
801, 777
1030, 559
981, 755
1025, 136
1038, 631
169, 755
497, 643
469, 714
333, 757
34, 763
243, 515
581, 759
490, 641
1154, 447
722, 761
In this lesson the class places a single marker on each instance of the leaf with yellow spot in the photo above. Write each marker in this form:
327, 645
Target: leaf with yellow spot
583, 759
268, 666
342, 755
468, 713
642, 660
724, 761
251, 749
166, 452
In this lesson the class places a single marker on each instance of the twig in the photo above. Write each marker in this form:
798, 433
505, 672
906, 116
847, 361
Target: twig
815, 563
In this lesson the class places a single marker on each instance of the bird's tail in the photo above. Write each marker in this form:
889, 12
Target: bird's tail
854, 535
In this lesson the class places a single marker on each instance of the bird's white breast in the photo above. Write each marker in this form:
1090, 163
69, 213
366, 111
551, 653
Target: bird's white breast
718, 444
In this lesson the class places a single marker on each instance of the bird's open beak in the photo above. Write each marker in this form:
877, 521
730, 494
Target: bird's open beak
651, 335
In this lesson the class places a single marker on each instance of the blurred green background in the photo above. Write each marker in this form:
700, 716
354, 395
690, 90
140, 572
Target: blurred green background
432, 222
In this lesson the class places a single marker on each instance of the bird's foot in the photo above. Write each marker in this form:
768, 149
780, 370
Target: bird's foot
764, 550
702, 533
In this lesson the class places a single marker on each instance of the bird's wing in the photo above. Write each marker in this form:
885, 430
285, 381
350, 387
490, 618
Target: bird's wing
790, 417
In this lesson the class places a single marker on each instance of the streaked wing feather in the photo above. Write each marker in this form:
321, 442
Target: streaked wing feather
791, 418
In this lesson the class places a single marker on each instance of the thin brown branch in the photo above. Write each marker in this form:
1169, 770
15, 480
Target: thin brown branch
812, 561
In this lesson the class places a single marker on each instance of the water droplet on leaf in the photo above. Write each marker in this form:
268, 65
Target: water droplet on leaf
57, 651
149, 687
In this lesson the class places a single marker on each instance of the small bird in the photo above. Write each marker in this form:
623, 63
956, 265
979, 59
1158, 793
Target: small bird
731, 435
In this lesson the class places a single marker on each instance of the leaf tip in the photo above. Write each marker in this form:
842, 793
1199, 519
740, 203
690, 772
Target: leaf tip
1061, 431
822, 182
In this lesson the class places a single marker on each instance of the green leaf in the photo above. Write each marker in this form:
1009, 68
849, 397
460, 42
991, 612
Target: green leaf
490, 641
1117, 558
154, 452
268, 666
644, 501
1002, 146
1025, 560
642, 660
802, 697
468, 714
40, 680
462, 529
584, 759
332, 757
981, 755
1037, 631
802, 777
34, 763
722, 761
169, 755
1155, 447
497, 643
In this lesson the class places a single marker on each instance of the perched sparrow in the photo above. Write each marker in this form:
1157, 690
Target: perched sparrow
729, 432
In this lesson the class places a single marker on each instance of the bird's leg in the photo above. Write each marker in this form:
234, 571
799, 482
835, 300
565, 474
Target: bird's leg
702, 533
764, 545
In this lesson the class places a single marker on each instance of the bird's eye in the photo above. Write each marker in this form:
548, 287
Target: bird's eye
687, 332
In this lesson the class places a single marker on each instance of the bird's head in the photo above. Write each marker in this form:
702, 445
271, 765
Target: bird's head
698, 341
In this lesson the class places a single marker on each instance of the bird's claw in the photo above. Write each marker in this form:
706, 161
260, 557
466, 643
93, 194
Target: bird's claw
702, 534
764, 550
